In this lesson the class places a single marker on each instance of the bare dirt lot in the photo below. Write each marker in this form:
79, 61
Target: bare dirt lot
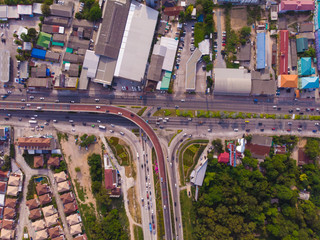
238, 18
77, 158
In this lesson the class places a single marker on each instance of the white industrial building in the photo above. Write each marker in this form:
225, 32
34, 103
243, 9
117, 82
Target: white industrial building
124, 41
136, 42
232, 81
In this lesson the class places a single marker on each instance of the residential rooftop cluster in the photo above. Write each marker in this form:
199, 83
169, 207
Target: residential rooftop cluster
10, 190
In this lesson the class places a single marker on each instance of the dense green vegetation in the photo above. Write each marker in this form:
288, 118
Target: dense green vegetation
188, 215
191, 156
201, 29
6, 163
119, 151
111, 222
94, 161
86, 140
312, 149
243, 203
91, 11
141, 111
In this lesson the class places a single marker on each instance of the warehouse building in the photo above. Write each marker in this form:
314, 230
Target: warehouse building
136, 42
232, 82
261, 50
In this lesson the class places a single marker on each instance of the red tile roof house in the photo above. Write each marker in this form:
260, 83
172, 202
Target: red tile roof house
173, 11
31, 143
42, 189
54, 161
3, 187
45, 199
224, 157
81, 237
305, 5
35, 214
70, 207
38, 161
67, 198
10, 202
4, 176
8, 224
33, 203
9, 213
110, 181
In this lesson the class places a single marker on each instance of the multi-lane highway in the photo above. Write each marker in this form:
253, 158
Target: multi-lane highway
206, 102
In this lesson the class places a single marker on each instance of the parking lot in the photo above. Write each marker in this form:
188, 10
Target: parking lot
12, 47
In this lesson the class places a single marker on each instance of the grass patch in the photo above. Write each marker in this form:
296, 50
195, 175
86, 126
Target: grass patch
135, 106
134, 206
179, 131
199, 33
159, 210
141, 111
181, 157
165, 113
190, 156
138, 233
188, 215
28, 158
80, 191
121, 106
31, 189
119, 151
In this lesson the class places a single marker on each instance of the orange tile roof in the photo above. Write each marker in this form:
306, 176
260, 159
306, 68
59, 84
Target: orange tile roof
289, 81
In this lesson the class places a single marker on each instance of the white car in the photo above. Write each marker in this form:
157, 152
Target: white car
111, 131
98, 121
42, 98
97, 99
98, 107
23, 100
120, 113
55, 121
31, 97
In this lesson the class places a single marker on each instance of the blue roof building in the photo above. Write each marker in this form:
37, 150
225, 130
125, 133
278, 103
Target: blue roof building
309, 82
261, 50
38, 53
304, 67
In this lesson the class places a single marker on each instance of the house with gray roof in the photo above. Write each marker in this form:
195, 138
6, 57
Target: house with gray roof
62, 10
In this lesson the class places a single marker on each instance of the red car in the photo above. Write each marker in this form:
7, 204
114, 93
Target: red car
289, 130
223, 44
273, 129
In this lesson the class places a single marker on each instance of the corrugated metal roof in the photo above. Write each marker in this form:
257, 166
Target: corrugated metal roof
191, 70
308, 82
171, 46
261, 50
284, 38
91, 61
232, 81
302, 44
136, 42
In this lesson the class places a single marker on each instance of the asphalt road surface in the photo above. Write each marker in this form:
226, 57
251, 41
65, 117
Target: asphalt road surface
205, 102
